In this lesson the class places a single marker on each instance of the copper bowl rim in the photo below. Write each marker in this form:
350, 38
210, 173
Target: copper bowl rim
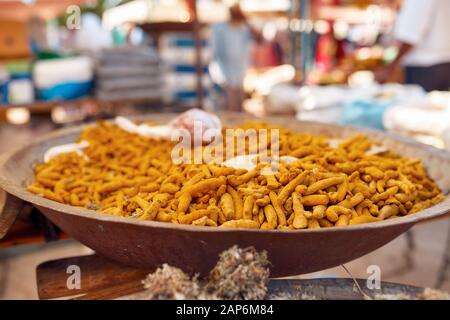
20, 192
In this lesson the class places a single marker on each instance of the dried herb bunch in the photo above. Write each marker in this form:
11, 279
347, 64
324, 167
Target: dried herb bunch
239, 274
170, 283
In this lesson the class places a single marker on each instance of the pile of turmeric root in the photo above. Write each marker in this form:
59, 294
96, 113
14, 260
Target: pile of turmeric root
322, 185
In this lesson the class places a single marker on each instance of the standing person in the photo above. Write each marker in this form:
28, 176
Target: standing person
231, 52
423, 44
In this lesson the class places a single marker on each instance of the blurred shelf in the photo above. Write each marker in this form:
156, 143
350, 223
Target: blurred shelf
46, 107
156, 30
42, 106
268, 14
162, 27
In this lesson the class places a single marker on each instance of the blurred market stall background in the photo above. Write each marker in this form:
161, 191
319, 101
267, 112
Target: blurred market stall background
64, 62
78, 60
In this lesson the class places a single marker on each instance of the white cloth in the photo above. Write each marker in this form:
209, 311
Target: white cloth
429, 115
425, 24
51, 72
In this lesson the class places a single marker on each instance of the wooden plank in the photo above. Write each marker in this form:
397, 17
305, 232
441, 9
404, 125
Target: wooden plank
132, 287
303, 289
100, 278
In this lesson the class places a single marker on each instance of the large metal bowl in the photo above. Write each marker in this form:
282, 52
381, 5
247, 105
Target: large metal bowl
195, 249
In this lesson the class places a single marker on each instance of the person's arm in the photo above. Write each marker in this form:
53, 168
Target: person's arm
256, 35
403, 49
384, 74
412, 24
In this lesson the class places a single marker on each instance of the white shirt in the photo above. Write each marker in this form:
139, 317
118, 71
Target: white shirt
231, 50
425, 24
